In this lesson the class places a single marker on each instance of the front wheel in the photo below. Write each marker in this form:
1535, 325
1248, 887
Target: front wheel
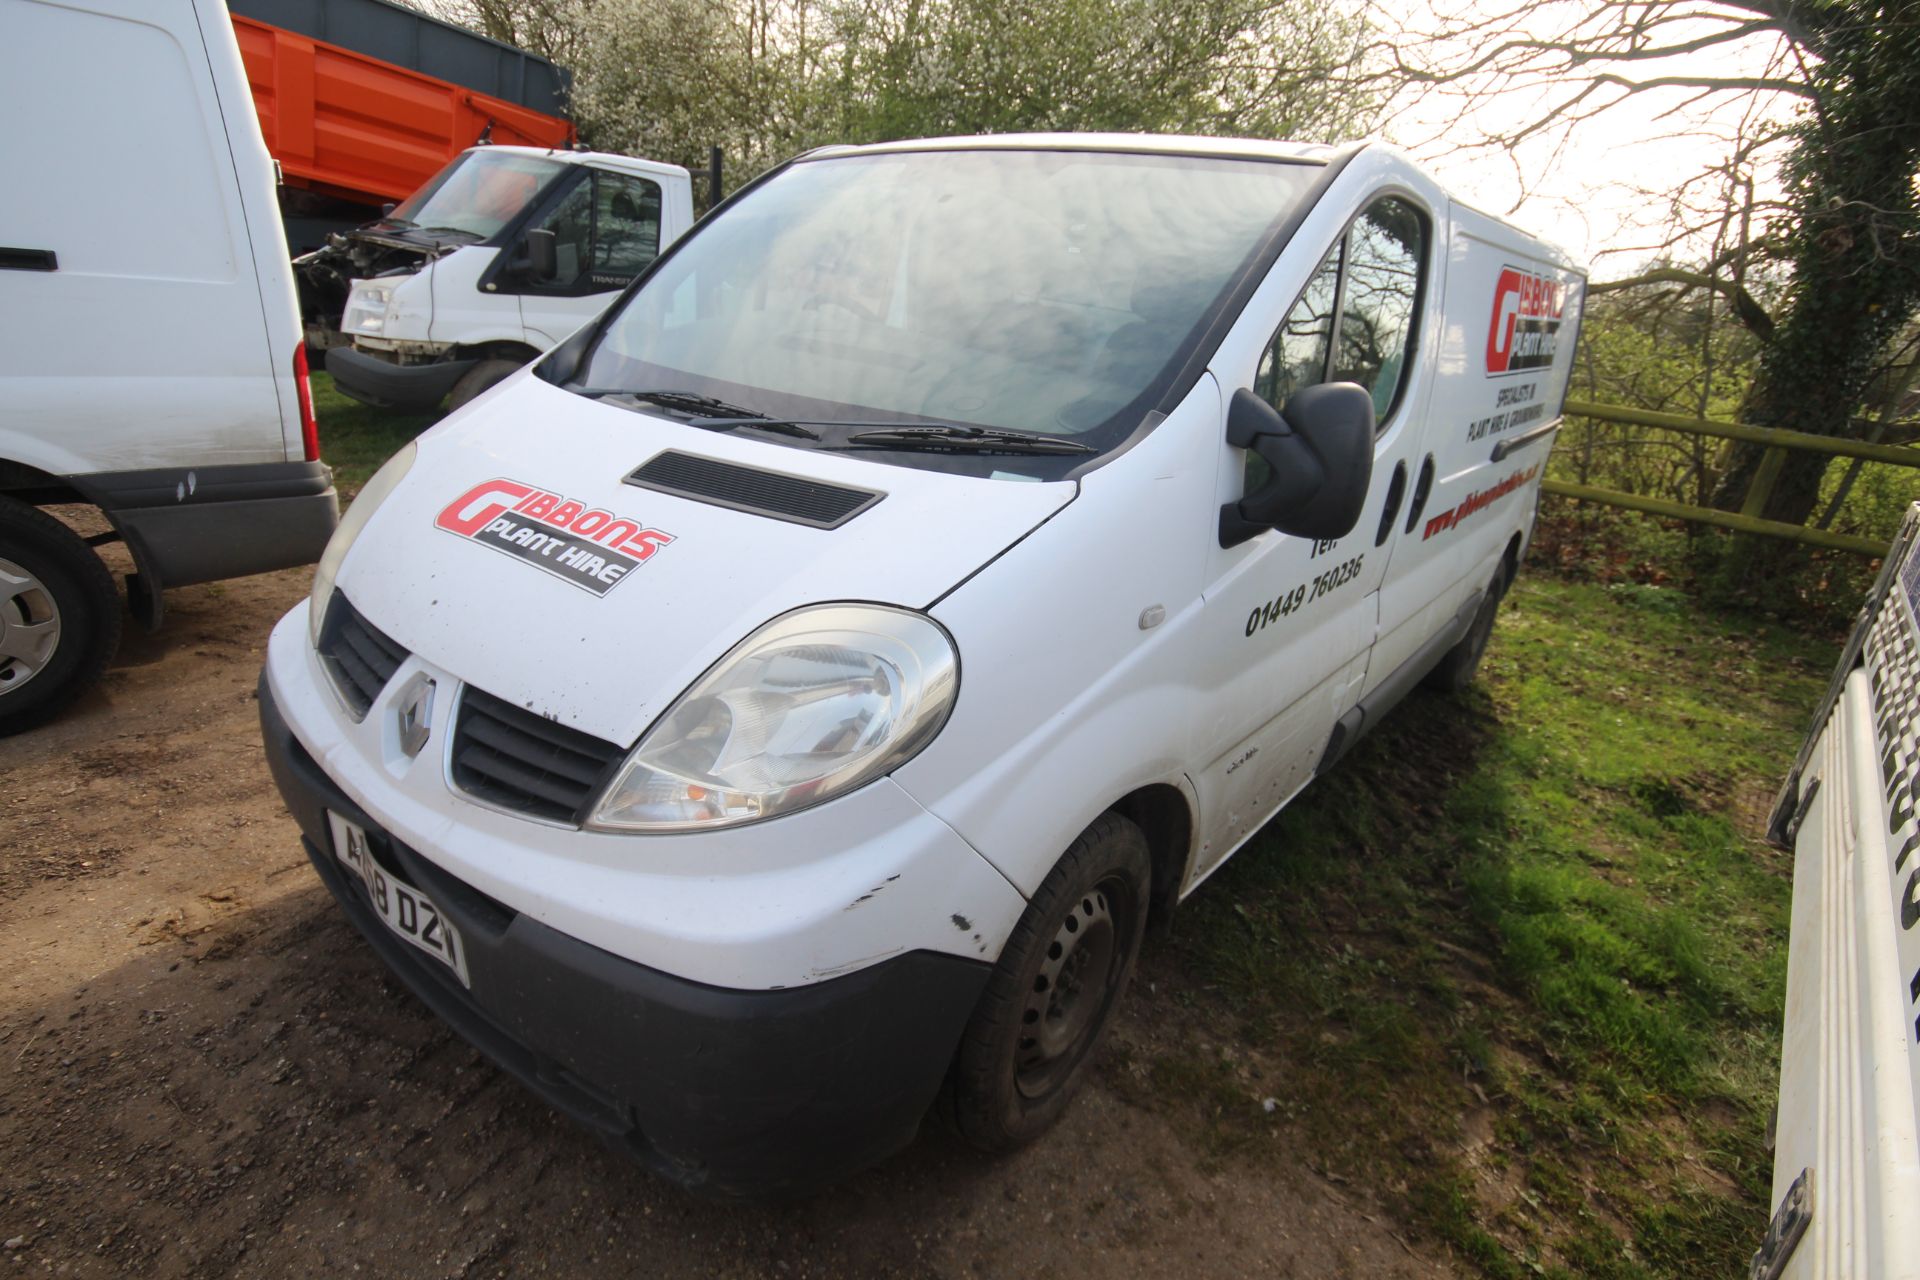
1052, 996
59, 616
479, 379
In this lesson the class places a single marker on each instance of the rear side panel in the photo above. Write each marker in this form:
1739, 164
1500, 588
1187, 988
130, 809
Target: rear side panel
1850, 1059
152, 342
1511, 312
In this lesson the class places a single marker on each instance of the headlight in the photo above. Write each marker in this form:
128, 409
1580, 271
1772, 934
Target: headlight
366, 310
809, 707
359, 511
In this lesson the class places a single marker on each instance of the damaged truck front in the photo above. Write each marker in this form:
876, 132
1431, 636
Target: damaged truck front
501, 255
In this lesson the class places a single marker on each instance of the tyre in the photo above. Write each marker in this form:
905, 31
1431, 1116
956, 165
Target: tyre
478, 379
1052, 996
59, 616
1456, 670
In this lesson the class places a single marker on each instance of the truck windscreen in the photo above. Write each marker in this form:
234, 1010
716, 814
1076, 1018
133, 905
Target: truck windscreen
478, 192
1047, 291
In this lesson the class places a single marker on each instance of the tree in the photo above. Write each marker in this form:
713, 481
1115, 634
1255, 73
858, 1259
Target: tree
765, 79
1833, 101
1256, 68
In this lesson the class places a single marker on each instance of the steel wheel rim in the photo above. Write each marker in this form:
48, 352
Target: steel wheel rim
1079, 975
29, 626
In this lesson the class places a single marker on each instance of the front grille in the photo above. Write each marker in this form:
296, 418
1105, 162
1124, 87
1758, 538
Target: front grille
511, 757
358, 655
755, 490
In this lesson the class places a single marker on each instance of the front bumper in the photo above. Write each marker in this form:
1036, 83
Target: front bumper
726, 1091
386, 385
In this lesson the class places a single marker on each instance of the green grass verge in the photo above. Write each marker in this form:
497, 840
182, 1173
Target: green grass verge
355, 439
1518, 964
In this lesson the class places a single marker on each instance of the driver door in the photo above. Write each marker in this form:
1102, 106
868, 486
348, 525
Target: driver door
1291, 619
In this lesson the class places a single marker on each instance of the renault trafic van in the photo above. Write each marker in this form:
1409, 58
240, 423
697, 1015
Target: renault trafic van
151, 362
797, 690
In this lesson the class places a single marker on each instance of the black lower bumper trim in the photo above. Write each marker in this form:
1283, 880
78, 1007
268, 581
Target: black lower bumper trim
747, 1093
202, 524
386, 385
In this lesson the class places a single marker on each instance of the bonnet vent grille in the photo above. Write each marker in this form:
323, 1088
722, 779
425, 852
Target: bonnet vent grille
754, 490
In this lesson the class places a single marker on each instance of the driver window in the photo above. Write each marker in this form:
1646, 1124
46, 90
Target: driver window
1354, 322
626, 224
1297, 356
1384, 252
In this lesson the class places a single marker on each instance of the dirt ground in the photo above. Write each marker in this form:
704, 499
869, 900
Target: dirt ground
205, 1072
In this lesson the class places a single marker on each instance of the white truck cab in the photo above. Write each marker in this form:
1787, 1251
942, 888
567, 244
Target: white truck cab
1846, 1135
119, 231
797, 688
502, 254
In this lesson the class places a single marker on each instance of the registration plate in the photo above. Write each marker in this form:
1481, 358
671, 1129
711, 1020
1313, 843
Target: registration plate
402, 908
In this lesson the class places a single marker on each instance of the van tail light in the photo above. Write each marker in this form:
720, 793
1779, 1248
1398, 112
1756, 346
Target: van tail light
309, 425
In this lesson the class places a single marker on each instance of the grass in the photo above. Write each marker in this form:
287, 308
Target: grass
355, 439
1519, 963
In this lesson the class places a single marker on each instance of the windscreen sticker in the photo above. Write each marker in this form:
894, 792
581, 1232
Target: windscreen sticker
1524, 332
1475, 503
587, 546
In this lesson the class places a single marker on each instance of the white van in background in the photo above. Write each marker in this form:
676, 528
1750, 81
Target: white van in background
796, 690
151, 359
502, 254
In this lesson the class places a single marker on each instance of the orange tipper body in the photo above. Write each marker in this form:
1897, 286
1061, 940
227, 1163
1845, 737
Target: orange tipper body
350, 125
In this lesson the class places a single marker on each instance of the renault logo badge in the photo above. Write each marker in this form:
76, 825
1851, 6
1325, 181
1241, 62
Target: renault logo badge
415, 717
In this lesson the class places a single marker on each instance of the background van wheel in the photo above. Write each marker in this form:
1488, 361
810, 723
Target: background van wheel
1052, 996
1455, 672
478, 379
59, 616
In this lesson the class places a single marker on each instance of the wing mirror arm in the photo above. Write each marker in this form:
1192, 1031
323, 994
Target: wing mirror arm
1320, 452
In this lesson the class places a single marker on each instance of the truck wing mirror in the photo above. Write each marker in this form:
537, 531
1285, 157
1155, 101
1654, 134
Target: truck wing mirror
543, 254
1321, 454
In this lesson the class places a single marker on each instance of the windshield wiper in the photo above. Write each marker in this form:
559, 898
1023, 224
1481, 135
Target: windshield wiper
687, 402
948, 437
707, 412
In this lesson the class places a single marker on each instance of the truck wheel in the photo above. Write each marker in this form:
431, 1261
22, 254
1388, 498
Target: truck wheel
59, 616
1052, 995
478, 379
1456, 670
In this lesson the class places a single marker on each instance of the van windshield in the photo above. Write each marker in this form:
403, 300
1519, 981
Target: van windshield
478, 192
1054, 292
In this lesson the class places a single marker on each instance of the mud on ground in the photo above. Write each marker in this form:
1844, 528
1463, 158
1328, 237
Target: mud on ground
205, 1072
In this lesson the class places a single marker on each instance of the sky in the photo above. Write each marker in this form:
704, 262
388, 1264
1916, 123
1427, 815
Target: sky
1603, 189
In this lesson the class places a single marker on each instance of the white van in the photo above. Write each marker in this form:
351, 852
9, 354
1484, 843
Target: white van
797, 689
503, 253
1846, 1135
139, 208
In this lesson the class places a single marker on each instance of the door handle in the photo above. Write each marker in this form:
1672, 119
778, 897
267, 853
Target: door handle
28, 260
1422, 489
1396, 491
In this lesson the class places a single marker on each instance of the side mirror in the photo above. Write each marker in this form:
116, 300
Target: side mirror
543, 254
386, 210
1321, 453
